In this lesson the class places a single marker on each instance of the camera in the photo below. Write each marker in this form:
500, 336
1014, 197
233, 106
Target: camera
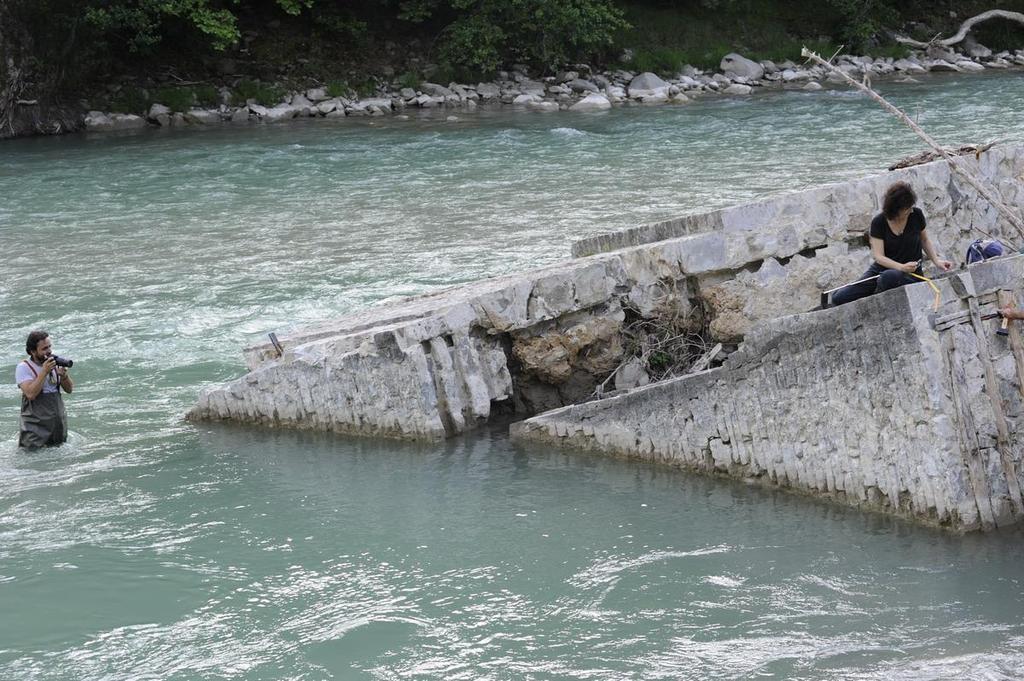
62, 361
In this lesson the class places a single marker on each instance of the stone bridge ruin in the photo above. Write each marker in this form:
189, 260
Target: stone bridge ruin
441, 364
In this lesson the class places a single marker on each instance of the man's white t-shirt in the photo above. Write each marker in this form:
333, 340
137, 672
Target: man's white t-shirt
22, 373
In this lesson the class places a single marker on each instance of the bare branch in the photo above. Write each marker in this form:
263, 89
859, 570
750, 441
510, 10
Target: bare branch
964, 28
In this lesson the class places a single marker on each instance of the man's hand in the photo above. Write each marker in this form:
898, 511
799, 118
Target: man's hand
49, 364
1011, 312
909, 266
62, 372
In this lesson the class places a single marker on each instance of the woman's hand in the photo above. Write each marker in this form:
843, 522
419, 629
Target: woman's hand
909, 266
944, 265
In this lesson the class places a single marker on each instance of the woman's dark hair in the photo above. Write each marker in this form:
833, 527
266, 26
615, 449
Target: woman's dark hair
33, 340
897, 197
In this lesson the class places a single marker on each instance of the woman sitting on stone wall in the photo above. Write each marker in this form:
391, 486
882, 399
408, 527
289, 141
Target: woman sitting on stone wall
897, 238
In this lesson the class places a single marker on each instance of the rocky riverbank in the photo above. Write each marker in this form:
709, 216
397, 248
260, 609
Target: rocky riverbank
579, 89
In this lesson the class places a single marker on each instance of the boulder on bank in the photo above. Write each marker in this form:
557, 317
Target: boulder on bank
524, 100
157, 110
592, 102
974, 49
436, 90
99, 121
580, 85
281, 112
941, 53
738, 89
647, 85
327, 106
202, 117
543, 107
741, 66
968, 65
532, 87
127, 121
790, 75
615, 93
317, 94
909, 65
299, 100
488, 90
381, 103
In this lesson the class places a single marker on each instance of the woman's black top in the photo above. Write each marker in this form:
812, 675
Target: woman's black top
905, 247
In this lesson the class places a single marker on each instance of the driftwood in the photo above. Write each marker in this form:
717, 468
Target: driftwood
955, 162
929, 156
705, 360
965, 28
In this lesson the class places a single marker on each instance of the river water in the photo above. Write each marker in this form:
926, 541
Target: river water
148, 548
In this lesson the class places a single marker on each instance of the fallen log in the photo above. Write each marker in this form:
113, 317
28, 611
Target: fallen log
929, 156
965, 28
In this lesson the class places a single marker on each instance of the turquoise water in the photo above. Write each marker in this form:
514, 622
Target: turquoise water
148, 548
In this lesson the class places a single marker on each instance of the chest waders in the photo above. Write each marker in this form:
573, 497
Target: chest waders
44, 421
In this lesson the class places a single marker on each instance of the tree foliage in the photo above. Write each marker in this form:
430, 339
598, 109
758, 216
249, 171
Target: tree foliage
45, 44
482, 34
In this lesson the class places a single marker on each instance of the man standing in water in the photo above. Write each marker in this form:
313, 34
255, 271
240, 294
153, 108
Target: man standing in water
43, 419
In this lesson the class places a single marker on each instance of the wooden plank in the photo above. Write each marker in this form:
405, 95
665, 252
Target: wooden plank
1002, 428
952, 319
968, 432
702, 363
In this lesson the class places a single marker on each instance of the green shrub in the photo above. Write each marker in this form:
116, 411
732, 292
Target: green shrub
338, 88
176, 98
659, 361
364, 87
665, 61
895, 50
861, 20
207, 95
253, 89
410, 79
129, 100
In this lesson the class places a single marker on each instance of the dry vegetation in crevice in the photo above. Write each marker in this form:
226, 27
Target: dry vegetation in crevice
666, 344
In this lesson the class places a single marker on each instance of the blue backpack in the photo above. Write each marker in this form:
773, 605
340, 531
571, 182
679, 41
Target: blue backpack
983, 249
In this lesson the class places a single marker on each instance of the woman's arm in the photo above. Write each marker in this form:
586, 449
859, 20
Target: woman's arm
929, 249
878, 253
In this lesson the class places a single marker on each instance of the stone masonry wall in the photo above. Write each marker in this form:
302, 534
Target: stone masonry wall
798, 244
437, 365
858, 402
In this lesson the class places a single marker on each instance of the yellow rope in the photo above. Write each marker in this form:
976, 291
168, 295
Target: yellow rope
938, 294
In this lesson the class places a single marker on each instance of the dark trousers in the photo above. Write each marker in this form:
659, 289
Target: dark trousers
886, 280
